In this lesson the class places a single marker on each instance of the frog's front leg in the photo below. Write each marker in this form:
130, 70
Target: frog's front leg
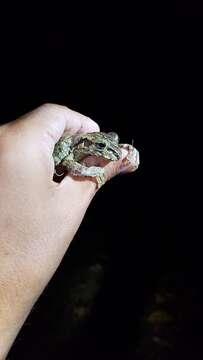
75, 168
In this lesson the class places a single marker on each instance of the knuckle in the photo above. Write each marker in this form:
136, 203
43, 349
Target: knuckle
93, 124
55, 107
47, 105
64, 111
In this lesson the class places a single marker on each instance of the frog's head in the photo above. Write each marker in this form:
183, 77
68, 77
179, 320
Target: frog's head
100, 144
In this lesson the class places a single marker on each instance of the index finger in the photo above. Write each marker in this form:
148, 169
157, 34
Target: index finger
52, 120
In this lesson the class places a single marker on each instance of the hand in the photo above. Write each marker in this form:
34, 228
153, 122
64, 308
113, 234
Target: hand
39, 217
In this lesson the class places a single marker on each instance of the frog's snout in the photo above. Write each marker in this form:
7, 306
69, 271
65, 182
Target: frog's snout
114, 155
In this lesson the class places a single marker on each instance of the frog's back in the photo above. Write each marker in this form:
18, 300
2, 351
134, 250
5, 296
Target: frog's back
62, 149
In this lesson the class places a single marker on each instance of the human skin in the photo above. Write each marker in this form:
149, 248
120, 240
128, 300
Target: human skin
38, 217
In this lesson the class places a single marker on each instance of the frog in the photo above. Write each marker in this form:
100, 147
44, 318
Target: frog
71, 150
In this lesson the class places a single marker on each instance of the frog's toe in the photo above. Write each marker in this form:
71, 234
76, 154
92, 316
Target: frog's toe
101, 179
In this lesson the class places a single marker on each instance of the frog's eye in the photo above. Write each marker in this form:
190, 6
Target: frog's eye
100, 145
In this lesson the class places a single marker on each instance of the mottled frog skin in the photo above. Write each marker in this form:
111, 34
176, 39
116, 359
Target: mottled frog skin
71, 150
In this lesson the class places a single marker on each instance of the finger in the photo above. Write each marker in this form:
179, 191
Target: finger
50, 121
112, 168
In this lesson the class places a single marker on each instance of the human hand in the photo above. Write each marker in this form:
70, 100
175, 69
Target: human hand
39, 217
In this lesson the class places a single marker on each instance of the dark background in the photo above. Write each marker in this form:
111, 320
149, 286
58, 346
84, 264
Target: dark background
189, 8
136, 241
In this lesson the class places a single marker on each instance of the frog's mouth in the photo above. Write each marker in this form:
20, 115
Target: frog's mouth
112, 154
109, 154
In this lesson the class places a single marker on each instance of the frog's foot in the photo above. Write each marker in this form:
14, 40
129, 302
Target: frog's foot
97, 173
101, 178
77, 169
131, 161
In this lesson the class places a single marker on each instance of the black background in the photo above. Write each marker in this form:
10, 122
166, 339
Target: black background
130, 92
189, 8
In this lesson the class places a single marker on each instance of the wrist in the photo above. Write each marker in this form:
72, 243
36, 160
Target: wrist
16, 302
